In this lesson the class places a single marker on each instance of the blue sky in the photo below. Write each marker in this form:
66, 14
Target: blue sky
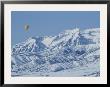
46, 23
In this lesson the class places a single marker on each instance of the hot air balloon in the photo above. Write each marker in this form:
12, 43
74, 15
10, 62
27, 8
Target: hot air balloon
26, 27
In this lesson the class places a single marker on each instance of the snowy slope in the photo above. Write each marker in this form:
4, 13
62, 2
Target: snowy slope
62, 55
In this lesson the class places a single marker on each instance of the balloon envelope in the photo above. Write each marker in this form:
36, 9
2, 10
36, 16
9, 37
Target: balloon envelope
26, 27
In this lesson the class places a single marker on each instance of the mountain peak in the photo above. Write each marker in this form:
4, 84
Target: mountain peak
31, 40
72, 30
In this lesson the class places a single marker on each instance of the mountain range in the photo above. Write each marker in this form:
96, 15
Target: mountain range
73, 52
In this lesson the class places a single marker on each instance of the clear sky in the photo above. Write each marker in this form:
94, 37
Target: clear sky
47, 23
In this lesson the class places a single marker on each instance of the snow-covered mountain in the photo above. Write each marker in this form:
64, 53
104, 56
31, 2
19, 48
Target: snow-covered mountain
71, 51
